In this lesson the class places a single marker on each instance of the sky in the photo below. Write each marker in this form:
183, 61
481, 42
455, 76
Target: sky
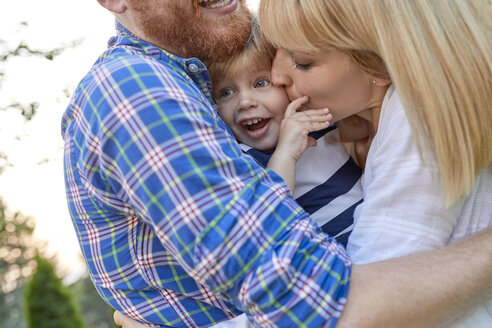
34, 184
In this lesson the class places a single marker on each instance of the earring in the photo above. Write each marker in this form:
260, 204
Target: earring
374, 81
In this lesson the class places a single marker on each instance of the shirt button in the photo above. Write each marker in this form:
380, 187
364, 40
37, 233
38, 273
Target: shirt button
193, 68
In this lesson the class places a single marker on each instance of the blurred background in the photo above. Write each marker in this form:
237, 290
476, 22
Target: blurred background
45, 49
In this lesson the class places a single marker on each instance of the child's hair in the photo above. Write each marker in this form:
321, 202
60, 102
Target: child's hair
257, 53
437, 53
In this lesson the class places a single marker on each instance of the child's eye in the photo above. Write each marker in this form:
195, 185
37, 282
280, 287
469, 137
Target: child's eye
262, 83
225, 92
302, 66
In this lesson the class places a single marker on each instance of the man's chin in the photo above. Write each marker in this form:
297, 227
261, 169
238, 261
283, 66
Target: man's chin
186, 34
227, 36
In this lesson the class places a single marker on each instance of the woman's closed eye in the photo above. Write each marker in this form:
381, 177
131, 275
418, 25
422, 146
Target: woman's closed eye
302, 66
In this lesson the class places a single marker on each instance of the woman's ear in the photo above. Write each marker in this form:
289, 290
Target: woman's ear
115, 6
380, 81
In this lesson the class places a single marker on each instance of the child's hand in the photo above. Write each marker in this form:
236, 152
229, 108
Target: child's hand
293, 139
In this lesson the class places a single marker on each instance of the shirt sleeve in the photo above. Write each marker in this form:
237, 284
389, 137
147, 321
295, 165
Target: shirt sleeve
404, 210
154, 146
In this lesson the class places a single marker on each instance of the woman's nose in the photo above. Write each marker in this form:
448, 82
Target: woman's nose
280, 66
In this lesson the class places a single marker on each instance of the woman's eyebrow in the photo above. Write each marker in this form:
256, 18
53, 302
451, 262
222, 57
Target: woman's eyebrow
293, 53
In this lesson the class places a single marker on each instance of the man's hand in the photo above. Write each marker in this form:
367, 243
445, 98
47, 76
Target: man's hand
123, 321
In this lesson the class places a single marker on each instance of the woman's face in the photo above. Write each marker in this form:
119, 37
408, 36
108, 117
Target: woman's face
329, 78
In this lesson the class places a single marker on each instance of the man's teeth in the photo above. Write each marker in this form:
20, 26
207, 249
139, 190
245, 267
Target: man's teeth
217, 4
251, 122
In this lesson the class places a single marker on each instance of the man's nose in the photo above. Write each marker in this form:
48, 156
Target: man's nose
279, 74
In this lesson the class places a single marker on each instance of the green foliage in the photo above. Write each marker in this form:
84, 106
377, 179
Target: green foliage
27, 110
16, 248
17, 251
48, 303
3, 162
23, 49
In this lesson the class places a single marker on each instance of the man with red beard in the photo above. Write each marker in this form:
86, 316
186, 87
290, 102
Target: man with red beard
178, 227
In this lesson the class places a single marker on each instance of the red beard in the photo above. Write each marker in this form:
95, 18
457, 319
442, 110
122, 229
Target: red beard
187, 34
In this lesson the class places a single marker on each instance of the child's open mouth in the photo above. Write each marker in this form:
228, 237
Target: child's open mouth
256, 127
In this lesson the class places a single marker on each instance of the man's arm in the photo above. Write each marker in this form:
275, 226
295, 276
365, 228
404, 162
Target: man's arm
425, 289
154, 149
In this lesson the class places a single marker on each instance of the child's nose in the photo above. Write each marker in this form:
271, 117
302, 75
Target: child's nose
247, 101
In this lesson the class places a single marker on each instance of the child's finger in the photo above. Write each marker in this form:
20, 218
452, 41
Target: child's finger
309, 112
317, 125
304, 127
295, 105
319, 116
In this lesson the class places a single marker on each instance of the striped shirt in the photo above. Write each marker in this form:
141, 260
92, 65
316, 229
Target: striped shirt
177, 226
327, 183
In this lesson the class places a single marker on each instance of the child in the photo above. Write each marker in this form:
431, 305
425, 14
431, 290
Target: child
275, 133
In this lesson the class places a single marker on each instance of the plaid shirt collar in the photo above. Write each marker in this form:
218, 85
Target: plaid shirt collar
192, 67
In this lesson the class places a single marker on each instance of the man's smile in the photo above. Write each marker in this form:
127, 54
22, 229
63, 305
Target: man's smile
219, 6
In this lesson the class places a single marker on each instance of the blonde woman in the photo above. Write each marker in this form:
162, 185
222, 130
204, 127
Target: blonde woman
415, 77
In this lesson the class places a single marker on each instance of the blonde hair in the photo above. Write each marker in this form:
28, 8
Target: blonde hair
437, 53
257, 53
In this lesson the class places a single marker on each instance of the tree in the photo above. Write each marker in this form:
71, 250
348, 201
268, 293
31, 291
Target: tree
17, 251
48, 303
16, 248
22, 49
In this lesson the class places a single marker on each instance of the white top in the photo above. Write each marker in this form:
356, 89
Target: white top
403, 210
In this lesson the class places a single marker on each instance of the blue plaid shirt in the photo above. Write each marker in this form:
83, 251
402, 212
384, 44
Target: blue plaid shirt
177, 226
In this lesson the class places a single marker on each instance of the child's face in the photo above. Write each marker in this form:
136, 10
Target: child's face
252, 107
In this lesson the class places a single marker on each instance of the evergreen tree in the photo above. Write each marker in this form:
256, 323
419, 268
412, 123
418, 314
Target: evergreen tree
48, 303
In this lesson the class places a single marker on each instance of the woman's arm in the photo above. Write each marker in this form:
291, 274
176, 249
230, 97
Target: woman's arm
425, 289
